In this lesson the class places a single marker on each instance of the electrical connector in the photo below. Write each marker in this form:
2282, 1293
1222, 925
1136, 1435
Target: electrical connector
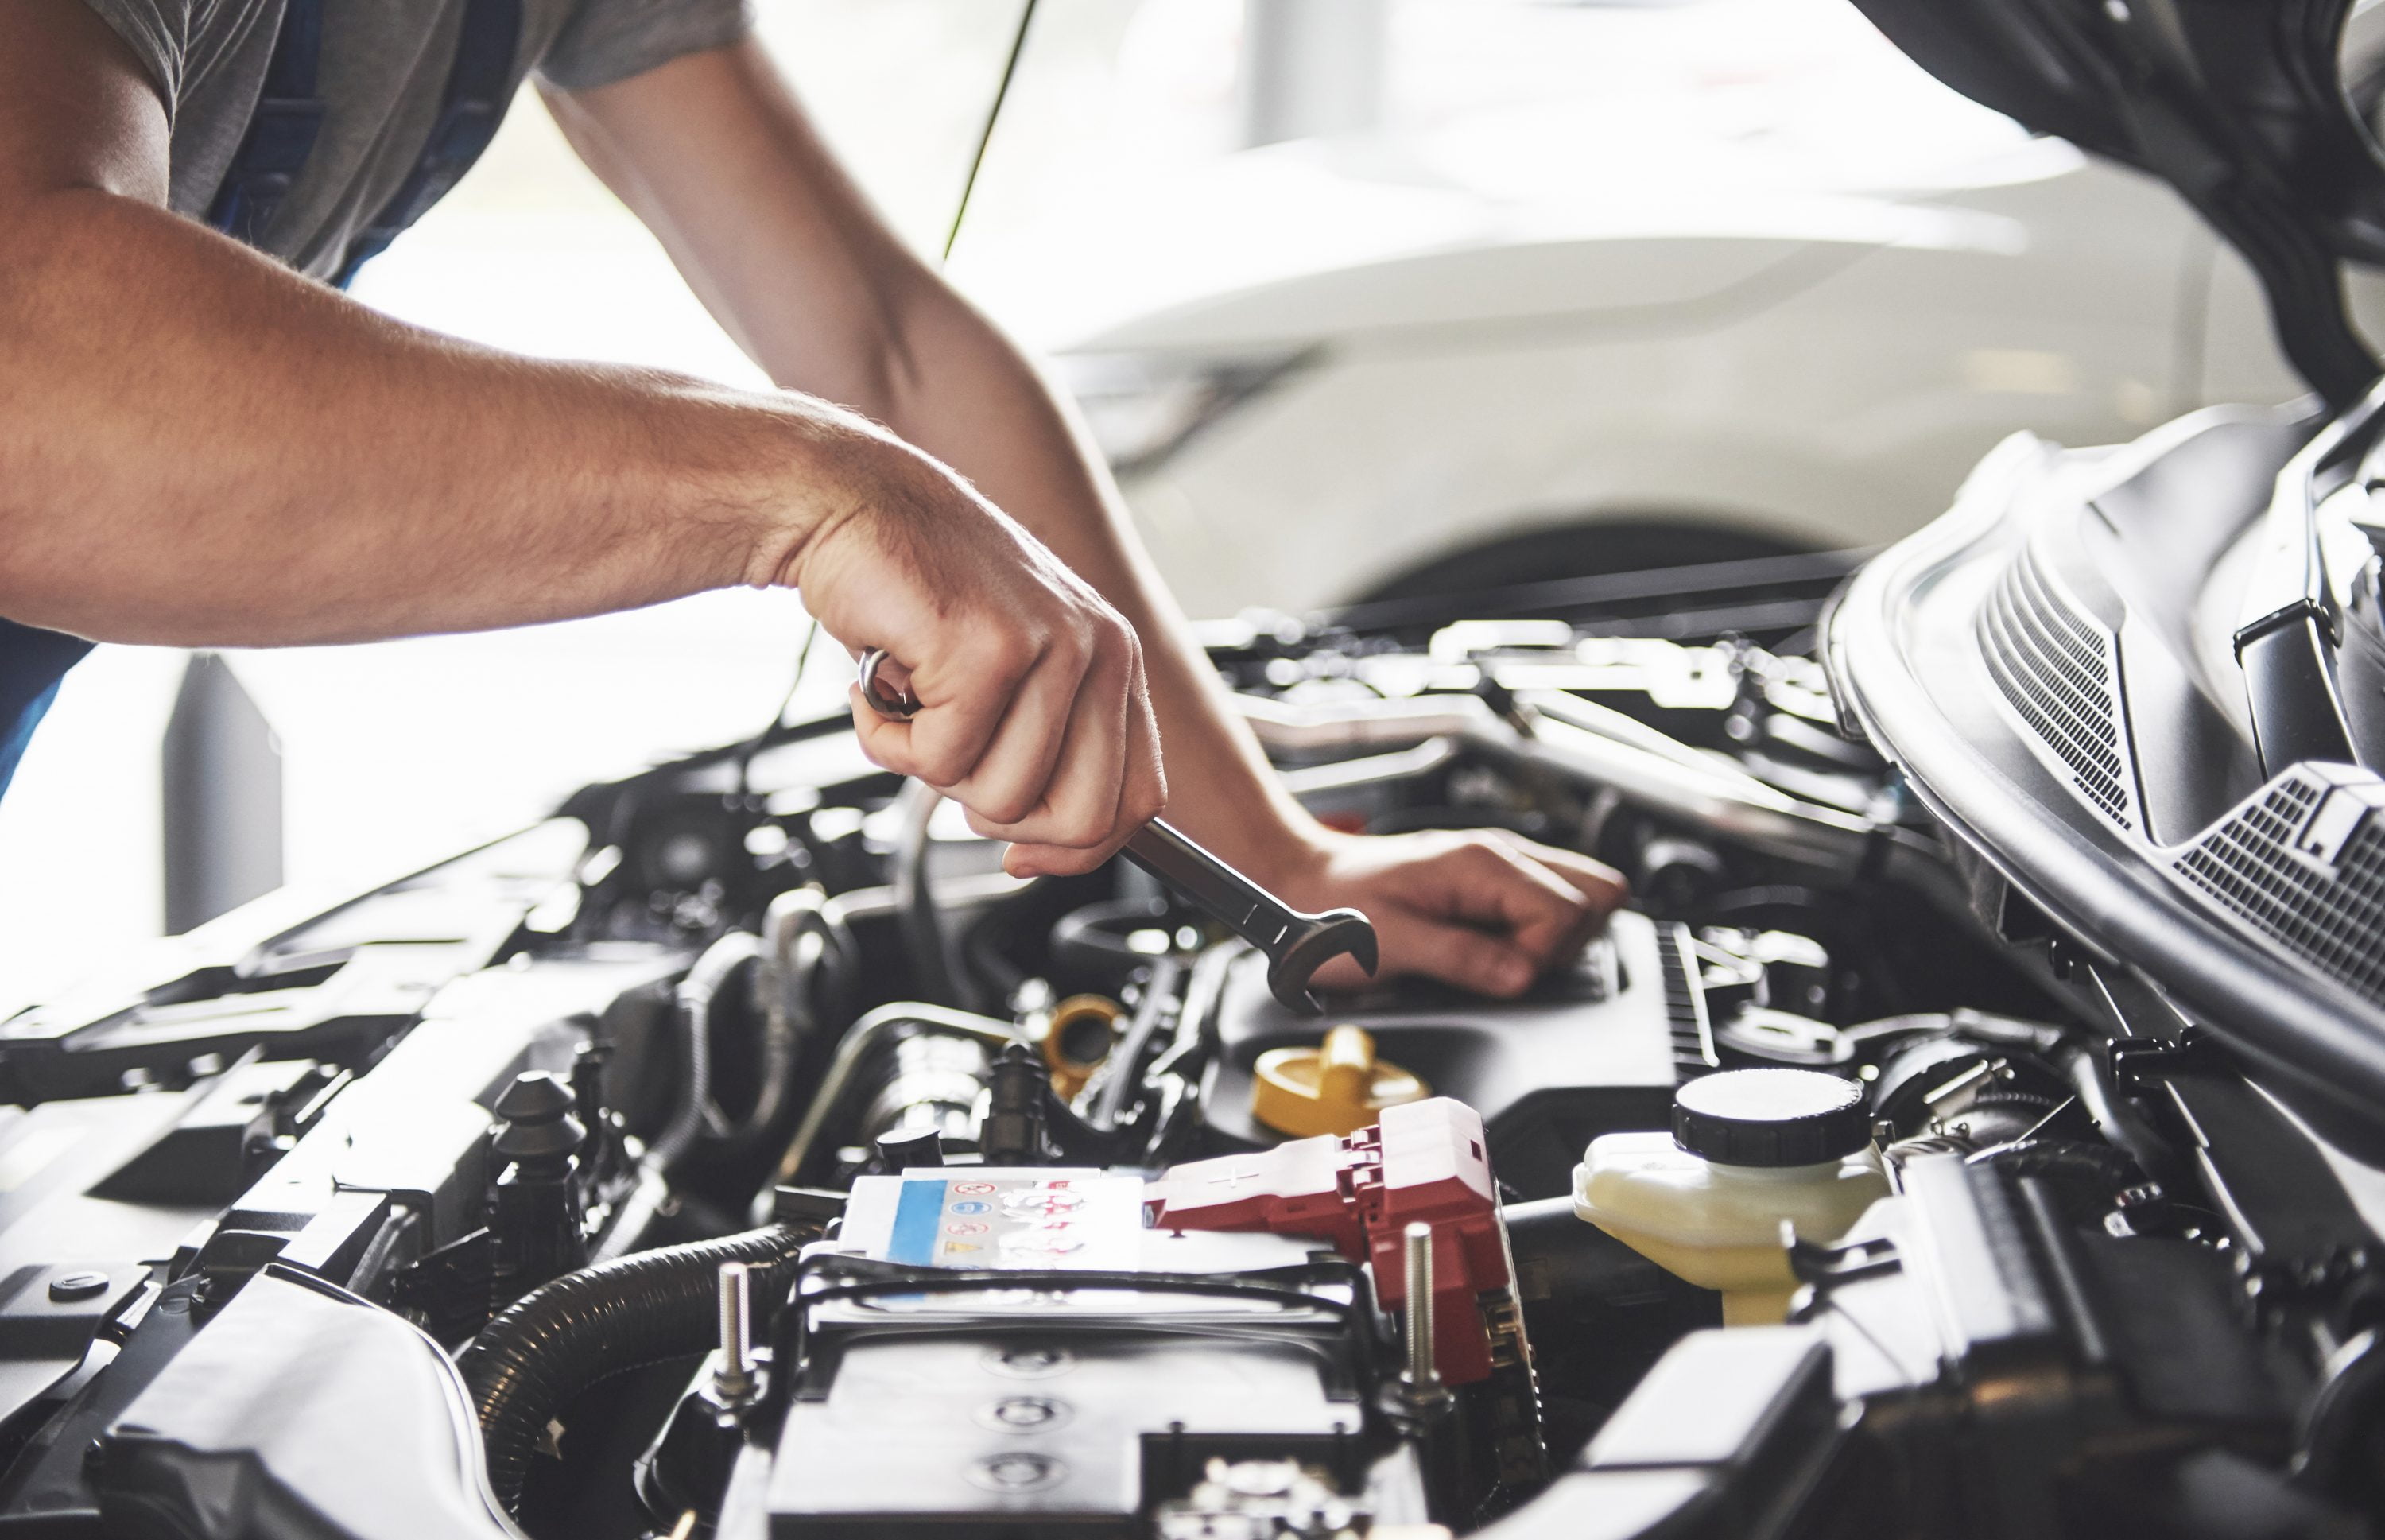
1426, 1162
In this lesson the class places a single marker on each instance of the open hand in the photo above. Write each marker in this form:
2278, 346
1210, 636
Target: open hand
1484, 910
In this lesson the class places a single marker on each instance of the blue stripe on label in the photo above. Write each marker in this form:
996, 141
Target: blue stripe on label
916, 1214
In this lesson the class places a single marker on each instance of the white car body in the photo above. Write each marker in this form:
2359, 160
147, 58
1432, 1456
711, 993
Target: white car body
1802, 319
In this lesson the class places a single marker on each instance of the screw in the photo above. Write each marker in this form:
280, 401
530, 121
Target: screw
734, 1378
1025, 1411
1021, 1473
1421, 1383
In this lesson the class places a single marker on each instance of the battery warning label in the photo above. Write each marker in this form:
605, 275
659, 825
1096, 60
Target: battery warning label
1038, 1219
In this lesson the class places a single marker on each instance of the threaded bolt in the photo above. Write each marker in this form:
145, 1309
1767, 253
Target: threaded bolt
1421, 1382
734, 1378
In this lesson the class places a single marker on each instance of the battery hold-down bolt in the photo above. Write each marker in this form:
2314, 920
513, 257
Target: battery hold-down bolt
1420, 1383
733, 1380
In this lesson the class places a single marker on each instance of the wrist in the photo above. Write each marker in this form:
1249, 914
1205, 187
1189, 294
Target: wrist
1284, 849
818, 468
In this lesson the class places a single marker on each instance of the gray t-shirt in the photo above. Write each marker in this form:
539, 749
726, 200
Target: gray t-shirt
382, 71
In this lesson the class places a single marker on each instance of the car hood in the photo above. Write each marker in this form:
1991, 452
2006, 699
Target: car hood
2241, 107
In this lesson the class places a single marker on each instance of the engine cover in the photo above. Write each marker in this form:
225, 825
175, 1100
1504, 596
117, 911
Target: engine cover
1587, 1052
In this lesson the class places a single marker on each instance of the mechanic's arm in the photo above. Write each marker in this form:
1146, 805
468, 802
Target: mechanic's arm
715, 155
199, 448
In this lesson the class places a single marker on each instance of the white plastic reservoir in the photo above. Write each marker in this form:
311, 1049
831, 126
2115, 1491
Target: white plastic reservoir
1749, 1148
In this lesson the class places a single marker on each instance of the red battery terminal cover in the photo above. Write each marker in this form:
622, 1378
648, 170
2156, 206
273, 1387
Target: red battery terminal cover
1426, 1160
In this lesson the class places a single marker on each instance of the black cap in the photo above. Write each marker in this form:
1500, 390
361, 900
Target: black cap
1770, 1117
537, 1121
906, 1148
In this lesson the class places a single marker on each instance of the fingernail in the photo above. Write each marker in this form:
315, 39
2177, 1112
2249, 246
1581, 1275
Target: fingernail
1515, 977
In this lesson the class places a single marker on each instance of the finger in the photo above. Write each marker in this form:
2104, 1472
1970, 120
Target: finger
964, 693
1142, 797
886, 742
1494, 885
1010, 781
1600, 884
1077, 806
1467, 958
1082, 803
1603, 892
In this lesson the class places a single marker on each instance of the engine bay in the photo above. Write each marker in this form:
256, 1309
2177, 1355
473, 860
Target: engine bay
741, 1152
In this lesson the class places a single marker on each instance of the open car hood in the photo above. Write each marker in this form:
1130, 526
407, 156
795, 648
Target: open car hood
2242, 107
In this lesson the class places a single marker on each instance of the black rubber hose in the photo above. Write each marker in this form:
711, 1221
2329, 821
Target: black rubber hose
2086, 1175
917, 919
532, 1361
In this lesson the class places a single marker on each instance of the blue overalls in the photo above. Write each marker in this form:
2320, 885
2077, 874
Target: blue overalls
281, 137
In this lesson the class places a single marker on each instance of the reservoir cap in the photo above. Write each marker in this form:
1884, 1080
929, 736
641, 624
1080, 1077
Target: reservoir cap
1771, 1118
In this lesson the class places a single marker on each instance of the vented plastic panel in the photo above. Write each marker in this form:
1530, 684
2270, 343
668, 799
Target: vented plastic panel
2058, 671
2329, 913
1685, 1003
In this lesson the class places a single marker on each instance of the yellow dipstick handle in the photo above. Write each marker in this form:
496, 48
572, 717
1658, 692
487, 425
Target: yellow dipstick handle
1345, 1067
1337, 1088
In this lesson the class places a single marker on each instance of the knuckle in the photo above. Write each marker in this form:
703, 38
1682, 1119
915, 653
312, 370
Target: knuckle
1008, 652
941, 765
1008, 807
1077, 643
1096, 633
1079, 826
1473, 965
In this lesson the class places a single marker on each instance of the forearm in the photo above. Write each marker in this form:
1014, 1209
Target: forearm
721, 163
198, 447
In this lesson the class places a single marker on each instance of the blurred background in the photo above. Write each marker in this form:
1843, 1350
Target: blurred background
1359, 294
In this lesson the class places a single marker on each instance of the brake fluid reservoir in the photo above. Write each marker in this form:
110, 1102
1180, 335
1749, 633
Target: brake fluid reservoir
1749, 1148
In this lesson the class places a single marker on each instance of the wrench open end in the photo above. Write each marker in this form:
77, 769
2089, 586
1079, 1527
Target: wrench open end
1321, 939
1296, 945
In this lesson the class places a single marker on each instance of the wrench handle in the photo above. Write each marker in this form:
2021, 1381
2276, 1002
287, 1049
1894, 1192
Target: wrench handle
1240, 905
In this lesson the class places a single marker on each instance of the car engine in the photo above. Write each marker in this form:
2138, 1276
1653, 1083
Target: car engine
741, 1152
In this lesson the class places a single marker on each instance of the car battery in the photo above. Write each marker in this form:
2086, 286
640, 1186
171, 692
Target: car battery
1007, 1352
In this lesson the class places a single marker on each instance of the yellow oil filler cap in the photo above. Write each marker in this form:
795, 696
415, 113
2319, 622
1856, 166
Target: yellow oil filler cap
1337, 1087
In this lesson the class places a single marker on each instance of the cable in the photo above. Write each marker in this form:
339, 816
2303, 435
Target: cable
922, 925
527, 1366
992, 115
697, 1115
754, 746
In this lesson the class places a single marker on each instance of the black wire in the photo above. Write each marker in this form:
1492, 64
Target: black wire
992, 115
778, 718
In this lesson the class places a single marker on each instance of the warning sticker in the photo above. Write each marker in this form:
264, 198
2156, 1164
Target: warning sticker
1027, 1218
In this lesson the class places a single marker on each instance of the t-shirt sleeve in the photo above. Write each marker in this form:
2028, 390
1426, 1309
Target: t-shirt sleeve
159, 31
612, 39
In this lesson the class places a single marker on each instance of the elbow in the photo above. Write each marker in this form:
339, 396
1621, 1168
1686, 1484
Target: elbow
871, 354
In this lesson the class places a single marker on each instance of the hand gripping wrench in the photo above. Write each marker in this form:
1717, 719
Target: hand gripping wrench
1296, 945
